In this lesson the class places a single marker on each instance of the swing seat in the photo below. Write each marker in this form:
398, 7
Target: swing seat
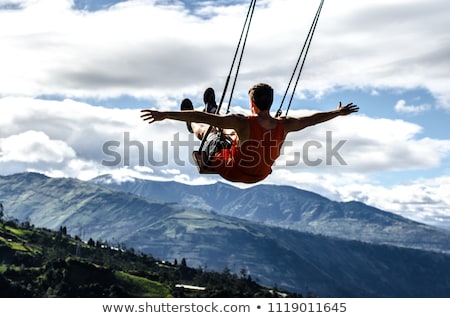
200, 161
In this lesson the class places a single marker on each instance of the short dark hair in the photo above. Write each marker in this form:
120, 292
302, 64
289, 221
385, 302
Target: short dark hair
262, 95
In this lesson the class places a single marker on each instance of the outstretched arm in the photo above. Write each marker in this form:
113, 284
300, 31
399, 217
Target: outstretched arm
229, 121
295, 124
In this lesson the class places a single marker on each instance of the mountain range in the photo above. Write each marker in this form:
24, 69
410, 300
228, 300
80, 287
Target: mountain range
178, 221
294, 209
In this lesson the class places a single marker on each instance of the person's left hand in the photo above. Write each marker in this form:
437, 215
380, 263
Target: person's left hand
347, 109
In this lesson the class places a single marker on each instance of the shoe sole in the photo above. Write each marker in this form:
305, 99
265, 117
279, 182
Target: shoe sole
186, 104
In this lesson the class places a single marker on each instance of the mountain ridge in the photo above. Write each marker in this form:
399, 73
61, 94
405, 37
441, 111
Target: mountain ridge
296, 209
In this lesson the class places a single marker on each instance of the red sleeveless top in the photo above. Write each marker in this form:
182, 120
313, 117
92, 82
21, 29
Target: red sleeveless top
252, 161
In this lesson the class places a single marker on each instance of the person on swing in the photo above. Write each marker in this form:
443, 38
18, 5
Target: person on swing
243, 148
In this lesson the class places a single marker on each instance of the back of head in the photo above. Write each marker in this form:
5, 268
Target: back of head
262, 95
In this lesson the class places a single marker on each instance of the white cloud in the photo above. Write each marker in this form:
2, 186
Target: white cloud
80, 140
374, 92
424, 200
61, 131
152, 49
363, 145
401, 107
171, 171
34, 147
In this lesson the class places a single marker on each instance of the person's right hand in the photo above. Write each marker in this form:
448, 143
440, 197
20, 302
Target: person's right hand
152, 115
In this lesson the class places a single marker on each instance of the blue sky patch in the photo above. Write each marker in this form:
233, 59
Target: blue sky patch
90, 5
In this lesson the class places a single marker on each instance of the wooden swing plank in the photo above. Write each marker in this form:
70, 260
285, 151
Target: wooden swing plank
200, 159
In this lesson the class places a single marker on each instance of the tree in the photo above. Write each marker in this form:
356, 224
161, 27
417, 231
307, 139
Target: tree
1, 212
63, 230
91, 242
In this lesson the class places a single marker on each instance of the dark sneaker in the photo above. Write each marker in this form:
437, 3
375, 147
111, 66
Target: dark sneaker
209, 98
186, 104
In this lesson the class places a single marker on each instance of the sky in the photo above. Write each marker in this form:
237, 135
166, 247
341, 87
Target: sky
75, 75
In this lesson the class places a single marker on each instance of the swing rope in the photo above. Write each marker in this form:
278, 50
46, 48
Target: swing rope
301, 59
240, 51
245, 31
250, 17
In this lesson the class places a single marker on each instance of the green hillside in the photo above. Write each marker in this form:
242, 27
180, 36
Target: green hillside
36, 262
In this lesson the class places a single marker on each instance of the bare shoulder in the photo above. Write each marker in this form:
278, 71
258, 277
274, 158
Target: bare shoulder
238, 116
236, 119
240, 123
294, 124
